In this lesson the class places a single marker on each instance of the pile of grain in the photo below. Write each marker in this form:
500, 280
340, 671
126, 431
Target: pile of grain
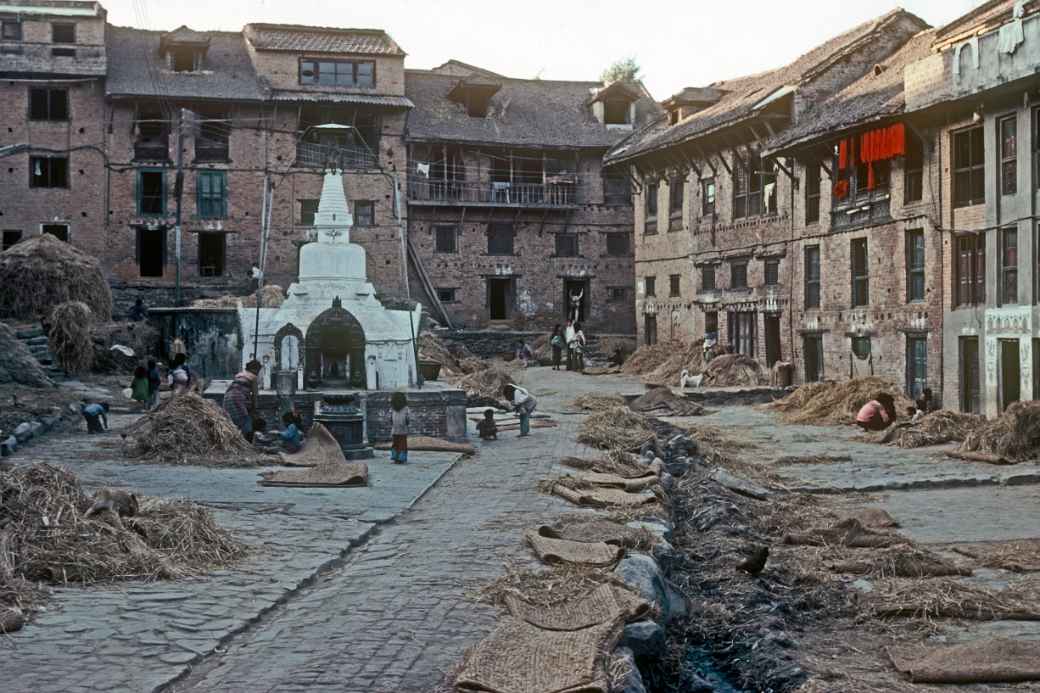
484, 387
188, 429
45, 537
593, 402
1014, 436
615, 429
733, 370
69, 331
271, 296
39, 273
939, 427
455, 359
836, 403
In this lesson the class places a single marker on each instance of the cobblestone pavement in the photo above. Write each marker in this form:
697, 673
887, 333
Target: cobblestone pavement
397, 617
141, 636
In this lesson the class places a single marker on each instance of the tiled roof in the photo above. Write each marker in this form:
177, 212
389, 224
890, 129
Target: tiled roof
308, 39
534, 113
334, 97
137, 69
875, 96
741, 95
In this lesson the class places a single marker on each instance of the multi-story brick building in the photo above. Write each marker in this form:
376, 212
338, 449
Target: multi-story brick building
120, 133
510, 213
724, 225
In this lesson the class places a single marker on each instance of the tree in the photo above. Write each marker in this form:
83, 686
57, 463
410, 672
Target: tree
626, 69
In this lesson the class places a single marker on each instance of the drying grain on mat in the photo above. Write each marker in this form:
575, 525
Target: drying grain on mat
594, 402
47, 537
832, 403
188, 429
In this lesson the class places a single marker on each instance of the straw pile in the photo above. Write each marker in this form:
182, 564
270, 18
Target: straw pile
271, 296
948, 598
939, 427
484, 387
661, 401
41, 272
69, 333
835, 403
45, 537
455, 359
593, 402
648, 358
188, 429
1015, 436
732, 370
686, 356
17, 364
618, 428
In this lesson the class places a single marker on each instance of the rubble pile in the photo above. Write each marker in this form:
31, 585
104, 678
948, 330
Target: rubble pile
39, 273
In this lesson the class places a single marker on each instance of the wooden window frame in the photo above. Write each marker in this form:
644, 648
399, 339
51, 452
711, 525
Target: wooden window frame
1008, 155
445, 231
969, 273
915, 272
812, 194
209, 203
1008, 285
50, 177
742, 275
860, 276
772, 276
709, 194
972, 170
48, 95
354, 65
364, 213
812, 276
708, 271
650, 286
674, 285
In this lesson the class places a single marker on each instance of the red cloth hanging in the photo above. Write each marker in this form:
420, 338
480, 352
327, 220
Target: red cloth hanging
843, 154
882, 144
870, 176
841, 189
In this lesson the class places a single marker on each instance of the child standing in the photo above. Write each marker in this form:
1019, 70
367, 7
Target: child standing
400, 419
487, 428
139, 390
154, 383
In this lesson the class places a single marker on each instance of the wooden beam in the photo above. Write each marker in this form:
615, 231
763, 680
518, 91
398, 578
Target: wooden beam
707, 159
788, 172
758, 138
769, 128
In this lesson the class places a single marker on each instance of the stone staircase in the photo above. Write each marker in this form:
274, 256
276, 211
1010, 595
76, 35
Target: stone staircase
33, 336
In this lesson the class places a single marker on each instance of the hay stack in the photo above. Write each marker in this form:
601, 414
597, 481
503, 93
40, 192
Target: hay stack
188, 429
647, 358
42, 272
271, 296
615, 429
732, 370
593, 402
46, 537
70, 335
17, 364
455, 359
939, 427
484, 387
1015, 436
835, 403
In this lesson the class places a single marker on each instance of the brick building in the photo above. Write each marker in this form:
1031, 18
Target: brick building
112, 123
509, 208
723, 224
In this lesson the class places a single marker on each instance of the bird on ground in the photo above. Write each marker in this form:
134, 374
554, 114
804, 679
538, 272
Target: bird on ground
755, 562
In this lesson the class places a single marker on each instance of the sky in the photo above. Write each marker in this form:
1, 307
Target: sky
677, 44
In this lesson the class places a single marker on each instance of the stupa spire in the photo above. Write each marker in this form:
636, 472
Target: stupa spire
333, 219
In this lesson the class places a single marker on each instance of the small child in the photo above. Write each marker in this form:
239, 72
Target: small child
487, 428
400, 418
291, 436
96, 416
139, 390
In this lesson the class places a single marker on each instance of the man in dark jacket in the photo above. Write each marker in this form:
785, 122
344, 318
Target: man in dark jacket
238, 400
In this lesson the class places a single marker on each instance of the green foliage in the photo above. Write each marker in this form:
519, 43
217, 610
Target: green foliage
626, 69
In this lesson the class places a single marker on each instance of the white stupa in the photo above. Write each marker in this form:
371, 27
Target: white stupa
331, 328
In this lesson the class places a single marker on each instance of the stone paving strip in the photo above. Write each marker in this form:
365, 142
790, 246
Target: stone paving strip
137, 636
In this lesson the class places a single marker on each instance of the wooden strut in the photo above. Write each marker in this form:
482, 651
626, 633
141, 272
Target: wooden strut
787, 172
707, 159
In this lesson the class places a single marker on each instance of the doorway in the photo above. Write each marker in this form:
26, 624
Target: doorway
812, 348
500, 298
571, 289
151, 251
1010, 373
772, 326
970, 390
650, 329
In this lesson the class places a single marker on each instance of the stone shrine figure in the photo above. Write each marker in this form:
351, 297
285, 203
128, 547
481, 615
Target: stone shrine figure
576, 305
